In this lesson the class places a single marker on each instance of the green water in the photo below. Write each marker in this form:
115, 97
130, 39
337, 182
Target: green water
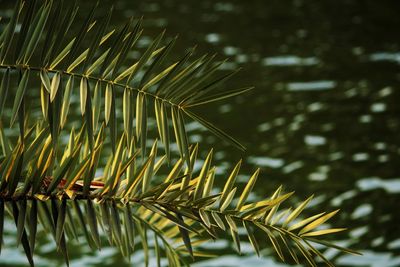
323, 119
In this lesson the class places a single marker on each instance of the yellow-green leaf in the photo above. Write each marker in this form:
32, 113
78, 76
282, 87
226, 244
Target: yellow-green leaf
203, 175
297, 211
247, 189
324, 232
108, 101
317, 222
230, 182
55, 84
228, 200
83, 94
66, 101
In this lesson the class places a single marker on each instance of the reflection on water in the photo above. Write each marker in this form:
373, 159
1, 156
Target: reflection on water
324, 118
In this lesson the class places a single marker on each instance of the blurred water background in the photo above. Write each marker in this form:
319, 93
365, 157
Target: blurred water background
323, 119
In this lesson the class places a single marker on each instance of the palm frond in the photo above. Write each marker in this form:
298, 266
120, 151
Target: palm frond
174, 208
97, 63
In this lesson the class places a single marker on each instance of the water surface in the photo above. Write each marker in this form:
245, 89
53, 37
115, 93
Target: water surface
323, 119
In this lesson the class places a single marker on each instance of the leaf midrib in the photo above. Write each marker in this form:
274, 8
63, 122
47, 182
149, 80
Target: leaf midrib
92, 78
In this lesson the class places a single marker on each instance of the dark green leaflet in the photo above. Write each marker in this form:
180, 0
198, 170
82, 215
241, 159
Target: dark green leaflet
23, 83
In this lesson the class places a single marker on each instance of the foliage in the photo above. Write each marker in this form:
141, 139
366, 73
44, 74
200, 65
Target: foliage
82, 187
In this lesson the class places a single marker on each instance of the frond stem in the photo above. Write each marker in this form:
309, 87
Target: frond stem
271, 227
93, 78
